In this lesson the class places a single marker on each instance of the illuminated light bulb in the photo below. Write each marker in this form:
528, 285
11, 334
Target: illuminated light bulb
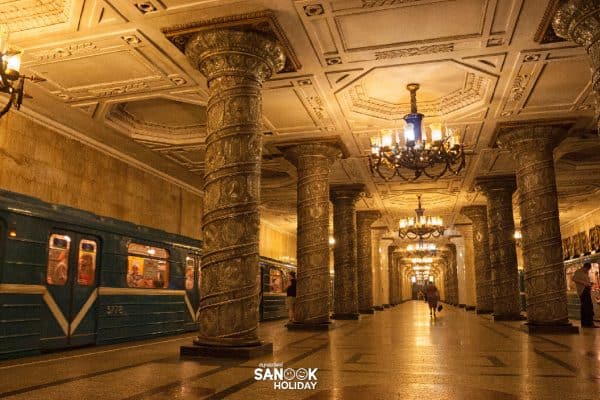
410, 247
331, 240
409, 133
13, 63
518, 235
386, 138
436, 132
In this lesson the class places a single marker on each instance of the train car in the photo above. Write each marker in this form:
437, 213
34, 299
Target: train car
275, 278
71, 278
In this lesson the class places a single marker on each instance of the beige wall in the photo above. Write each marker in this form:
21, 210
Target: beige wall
276, 243
582, 223
41, 162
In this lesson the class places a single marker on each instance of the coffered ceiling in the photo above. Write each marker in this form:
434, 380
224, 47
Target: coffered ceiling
115, 81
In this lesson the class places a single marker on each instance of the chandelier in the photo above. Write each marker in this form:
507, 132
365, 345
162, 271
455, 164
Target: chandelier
11, 80
420, 227
431, 154
421, 249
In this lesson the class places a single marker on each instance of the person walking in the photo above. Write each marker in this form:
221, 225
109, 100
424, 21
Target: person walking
433, 295
582, 280
290, 300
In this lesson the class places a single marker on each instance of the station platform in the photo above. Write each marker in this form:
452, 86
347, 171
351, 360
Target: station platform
399, 353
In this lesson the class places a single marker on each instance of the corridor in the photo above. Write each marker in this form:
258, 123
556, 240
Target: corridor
399, 353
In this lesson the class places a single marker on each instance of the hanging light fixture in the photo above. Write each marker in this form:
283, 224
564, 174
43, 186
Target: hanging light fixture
11, 80
431, 154
420, 227
421, 249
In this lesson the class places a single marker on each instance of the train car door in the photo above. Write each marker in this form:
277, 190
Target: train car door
192, 285
71, 281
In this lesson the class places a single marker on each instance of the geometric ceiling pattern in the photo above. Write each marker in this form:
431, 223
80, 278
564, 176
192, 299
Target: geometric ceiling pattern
112, 75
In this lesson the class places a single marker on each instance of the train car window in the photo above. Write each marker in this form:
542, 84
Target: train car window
147, 266
190, 267
58, 259
86, 263
275, 280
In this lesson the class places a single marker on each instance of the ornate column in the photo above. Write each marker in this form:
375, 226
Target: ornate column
364, 259
452, 265
345, 302
577, 21
313, 162
499, 191
377, 233
483, 265
235, 64
545, 282
390, 276
470, 296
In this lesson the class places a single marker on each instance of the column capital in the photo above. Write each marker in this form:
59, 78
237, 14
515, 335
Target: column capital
330, 149
576, 20
351, 192
533, 134
230, 52
496, 184
474, 212
367, 216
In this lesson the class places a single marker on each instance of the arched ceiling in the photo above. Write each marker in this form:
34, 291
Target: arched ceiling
114, 80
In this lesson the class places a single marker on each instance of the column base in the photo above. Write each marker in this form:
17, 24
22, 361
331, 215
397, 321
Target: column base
386, 306
307, 326
567, 329
367, 311
240, 353
480, 311
378, 308
349, 316
462, 305
470, 308
513, 317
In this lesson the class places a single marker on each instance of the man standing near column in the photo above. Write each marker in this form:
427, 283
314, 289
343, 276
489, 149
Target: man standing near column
582, 280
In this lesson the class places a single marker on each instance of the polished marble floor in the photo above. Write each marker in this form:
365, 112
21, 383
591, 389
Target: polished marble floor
399, 353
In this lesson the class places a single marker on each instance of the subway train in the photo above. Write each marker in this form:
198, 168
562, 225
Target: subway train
70, 278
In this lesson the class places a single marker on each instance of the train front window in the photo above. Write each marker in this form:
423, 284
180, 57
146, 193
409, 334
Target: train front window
190, 266
86, 263
147, 266
57, 271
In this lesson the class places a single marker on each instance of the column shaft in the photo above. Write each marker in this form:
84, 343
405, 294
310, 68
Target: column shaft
498, 191
313, 163
545, 281
345, 303
483, 266
364, 259
235, 64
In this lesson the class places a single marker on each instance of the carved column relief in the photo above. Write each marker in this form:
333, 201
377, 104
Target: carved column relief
364, 259
313, 163
577, 21
469, 260
499, 191
545, 282
235, 64
390, 272
453, 273
377, 233
345, 302
483, 266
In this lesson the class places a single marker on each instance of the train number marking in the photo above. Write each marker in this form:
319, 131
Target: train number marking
115, 310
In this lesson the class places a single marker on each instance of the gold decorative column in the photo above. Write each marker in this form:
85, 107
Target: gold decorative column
499, 191
578, 21
364, 259
470, 298
545, 282
390, 272
483, 266
235, 64
313, 163
378, 233
345, 302
453, 273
